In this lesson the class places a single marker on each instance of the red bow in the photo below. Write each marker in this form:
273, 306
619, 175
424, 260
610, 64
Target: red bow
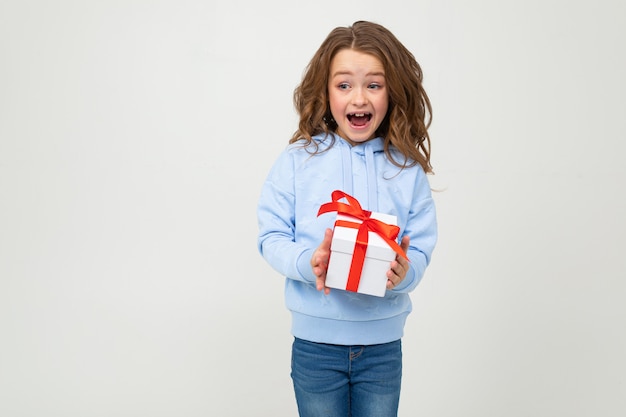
388, 232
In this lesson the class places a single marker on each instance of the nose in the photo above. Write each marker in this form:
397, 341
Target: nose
359, 97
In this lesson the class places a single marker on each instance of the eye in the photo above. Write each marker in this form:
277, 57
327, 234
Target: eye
374, 86
343, 86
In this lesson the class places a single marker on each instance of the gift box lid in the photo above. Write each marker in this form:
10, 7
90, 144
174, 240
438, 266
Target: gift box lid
344, 238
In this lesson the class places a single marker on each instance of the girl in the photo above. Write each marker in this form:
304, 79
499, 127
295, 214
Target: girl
363, 126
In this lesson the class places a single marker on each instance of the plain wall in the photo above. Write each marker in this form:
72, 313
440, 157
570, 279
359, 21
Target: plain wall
134, 139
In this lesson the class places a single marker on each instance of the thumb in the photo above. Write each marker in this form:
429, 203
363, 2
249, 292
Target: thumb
404, 244
328, 238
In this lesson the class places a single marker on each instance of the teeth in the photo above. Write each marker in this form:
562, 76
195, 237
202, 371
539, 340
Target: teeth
359, 114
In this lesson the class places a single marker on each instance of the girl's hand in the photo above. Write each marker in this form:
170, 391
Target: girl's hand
319, 261
399, 267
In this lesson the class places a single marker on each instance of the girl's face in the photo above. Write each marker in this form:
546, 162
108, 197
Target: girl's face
357, 95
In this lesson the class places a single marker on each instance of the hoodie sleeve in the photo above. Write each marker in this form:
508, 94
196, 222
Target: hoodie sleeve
421, 227
276, 220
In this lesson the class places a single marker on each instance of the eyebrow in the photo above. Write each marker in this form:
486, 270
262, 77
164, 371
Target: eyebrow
369, 74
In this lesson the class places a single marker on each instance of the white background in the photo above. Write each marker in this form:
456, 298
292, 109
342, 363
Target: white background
134, 139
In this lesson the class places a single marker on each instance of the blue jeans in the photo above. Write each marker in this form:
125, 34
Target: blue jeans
346, 381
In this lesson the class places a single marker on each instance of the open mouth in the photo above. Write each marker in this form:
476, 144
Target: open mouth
359, 119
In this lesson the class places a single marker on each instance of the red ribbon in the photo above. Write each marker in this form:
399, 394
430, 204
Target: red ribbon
388, 232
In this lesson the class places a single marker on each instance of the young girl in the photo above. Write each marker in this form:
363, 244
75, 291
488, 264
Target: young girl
363, 126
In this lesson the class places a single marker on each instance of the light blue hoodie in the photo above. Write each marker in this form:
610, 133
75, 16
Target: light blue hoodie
290, 230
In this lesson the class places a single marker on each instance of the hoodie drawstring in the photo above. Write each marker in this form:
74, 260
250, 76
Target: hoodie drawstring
347, 169
372, 186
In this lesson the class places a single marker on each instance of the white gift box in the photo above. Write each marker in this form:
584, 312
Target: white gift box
378, 257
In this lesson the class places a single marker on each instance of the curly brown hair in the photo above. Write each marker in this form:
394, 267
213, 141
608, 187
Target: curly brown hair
409, 115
